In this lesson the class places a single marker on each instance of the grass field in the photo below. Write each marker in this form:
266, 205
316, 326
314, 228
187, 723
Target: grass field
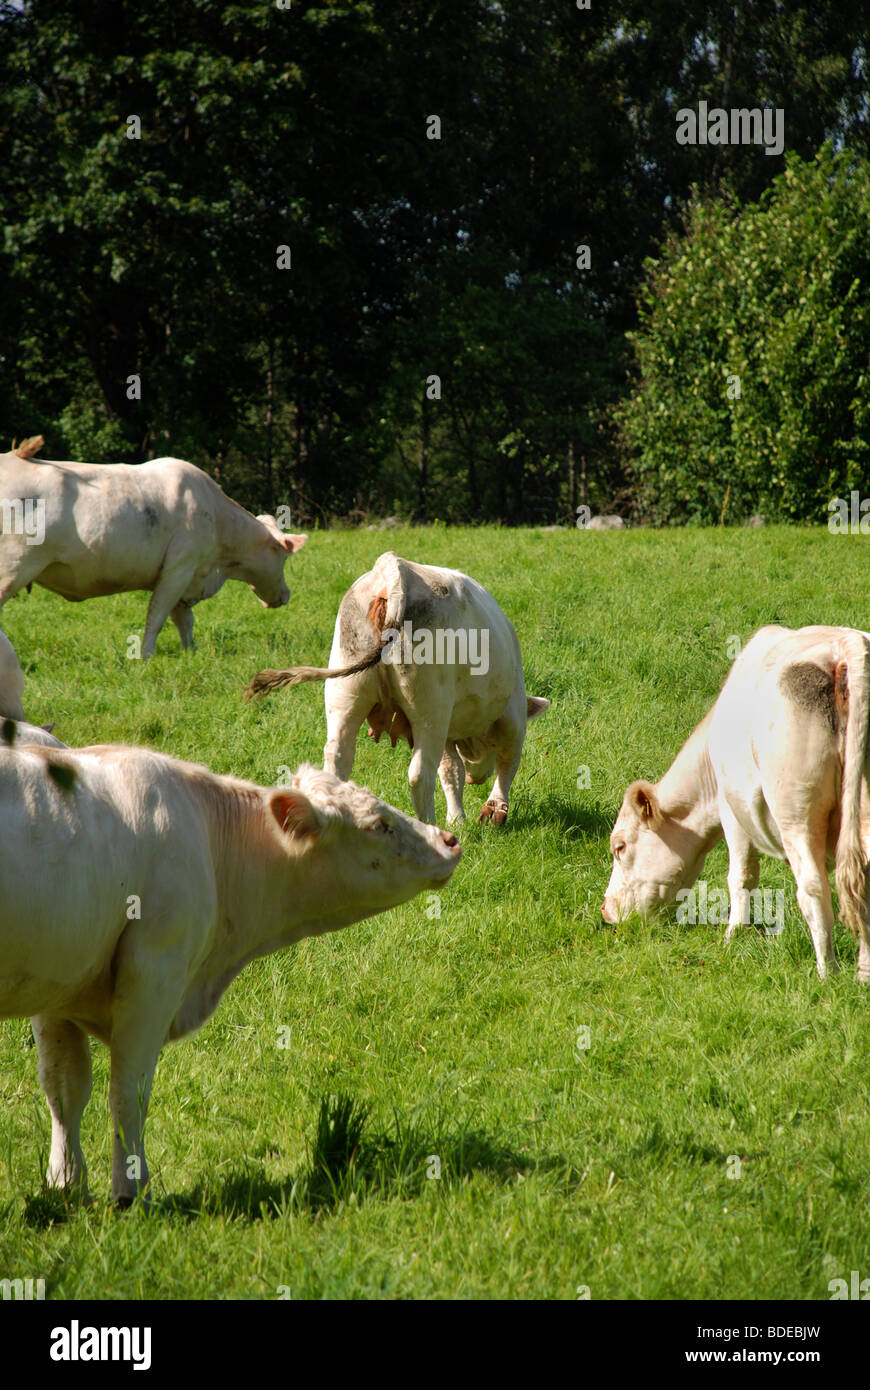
304, 1170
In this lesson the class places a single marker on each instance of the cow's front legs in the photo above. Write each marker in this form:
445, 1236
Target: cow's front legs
65, 1076
171, 584
429, 744
509, 750
133, 1063
807, 862
148, 993
451, 772
21, 573
182, 616
742, 870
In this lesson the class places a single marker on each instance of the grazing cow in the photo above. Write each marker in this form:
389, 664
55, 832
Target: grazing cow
777, 766
134, 889
427, 655
84, 530
11, 681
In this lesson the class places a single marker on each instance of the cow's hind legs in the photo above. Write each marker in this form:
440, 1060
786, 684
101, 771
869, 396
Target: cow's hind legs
451, 772
345, 712
429, 745
509, 750
65, 1076
807, 862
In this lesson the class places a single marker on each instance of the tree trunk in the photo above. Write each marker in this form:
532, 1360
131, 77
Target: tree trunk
423, 469
270, 373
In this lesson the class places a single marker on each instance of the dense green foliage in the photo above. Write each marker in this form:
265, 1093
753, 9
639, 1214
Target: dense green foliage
771, 300
410, 257
455, 1035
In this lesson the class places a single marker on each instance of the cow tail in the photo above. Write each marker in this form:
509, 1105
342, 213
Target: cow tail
852, 702
385, 612
268, 680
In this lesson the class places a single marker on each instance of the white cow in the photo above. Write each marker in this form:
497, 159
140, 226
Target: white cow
11, 681
85, 529
424, 654
778, 766
134, 889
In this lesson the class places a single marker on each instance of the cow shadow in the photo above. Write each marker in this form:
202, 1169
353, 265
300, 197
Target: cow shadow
349, 1164
569, 817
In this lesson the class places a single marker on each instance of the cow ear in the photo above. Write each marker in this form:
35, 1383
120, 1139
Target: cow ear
535, 705
293, 543
295, 814
643, 800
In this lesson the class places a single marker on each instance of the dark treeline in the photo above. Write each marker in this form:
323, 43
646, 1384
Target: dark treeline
433, 348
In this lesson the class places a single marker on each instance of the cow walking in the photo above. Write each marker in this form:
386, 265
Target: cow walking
778, 766
85, 529
427, 655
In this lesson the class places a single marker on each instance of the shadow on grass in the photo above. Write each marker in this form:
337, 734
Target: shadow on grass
562, 814
348, 1164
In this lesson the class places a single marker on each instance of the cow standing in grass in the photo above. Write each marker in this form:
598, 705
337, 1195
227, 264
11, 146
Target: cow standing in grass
427, 655
134, 888
778, 766
84, 530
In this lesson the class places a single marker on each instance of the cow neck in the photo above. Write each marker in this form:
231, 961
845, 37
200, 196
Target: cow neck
237, 530
269, 896
688, 790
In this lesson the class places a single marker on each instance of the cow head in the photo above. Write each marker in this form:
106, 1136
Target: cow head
654, 855
365, 855
263, 566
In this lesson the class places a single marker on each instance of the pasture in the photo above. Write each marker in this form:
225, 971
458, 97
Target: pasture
293, 1141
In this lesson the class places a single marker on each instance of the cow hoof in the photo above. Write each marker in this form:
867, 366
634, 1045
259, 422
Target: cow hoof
126, 1201
495, 812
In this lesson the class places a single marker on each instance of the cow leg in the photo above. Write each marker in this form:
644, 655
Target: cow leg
26, 567
134, 1058
429, 745
65, 1077
170, 586
141, 1020
742, 869
451, 772
807, 863
864, 955
343, 720
509, 750
182, 616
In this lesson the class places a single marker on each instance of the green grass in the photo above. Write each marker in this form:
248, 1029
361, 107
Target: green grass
414, 1036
